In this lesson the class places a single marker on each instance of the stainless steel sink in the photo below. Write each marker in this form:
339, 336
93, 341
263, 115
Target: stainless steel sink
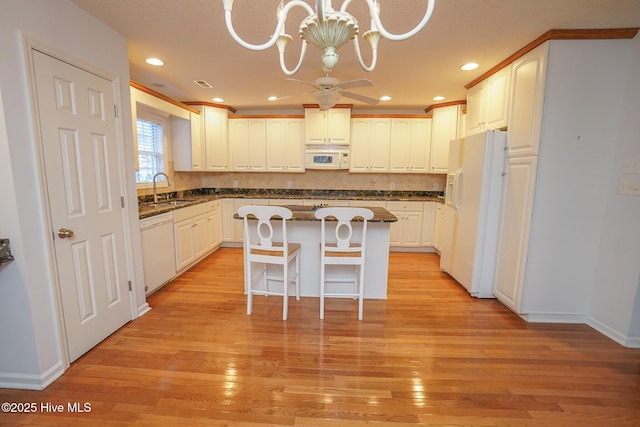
171, 203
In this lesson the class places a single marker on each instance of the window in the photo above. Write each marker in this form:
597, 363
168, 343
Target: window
151, 131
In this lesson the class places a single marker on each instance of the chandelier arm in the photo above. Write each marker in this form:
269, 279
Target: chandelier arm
282, 17
375, 18
283, 66
374, 56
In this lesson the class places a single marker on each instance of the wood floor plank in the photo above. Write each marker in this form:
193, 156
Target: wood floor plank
428, 355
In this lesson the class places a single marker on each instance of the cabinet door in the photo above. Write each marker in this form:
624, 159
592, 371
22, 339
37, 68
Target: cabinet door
216, 139
438, 227
186, 143
228, 222
525, 115
315, 126
359, 153
239, 144
400, 146
475, 108
214, 224
513, 237
444, 129
276, 145
185, 254
429, 223
496, 111
257, 145
379, 142
294, 145
200, 236
338, 126
420, 145
412, 229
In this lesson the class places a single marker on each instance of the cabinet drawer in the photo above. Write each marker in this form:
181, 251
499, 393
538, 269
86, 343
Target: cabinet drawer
399, 206
189, 212
213, 205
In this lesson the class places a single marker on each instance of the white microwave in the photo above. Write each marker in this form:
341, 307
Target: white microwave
326, 158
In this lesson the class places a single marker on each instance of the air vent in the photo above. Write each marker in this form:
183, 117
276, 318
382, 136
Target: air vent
203, 83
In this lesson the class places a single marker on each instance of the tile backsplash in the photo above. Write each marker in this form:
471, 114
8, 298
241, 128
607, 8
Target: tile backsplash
310, 180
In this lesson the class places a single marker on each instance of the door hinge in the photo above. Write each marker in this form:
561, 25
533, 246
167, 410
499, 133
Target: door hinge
122, 201
129, 282
115, 110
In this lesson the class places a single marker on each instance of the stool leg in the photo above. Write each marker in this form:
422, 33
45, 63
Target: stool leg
322, 267
249, 287
285, 290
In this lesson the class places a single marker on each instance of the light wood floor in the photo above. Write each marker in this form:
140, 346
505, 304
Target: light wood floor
429, 355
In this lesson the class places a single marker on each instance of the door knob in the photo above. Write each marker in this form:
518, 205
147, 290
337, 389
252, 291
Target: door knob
65, 233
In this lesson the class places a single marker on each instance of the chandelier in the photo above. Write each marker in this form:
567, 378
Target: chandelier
328, 29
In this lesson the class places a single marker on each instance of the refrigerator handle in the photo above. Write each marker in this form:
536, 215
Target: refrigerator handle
457, 183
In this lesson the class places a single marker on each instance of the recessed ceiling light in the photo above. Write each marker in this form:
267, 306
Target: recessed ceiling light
155, 61
469, 66
272, 98
218, 100
385, 98
438, 98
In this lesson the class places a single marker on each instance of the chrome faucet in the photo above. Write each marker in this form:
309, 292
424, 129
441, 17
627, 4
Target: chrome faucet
155, 194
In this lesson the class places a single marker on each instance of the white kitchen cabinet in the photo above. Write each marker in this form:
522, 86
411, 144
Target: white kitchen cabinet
438, 227
368, 203
228, 227
429, 213
190, 231
410, 146
445, 126
285, 145
215, 131
186, 142
370, 142
214, 224
247, 145
517, 202
407, 231
528, 83
330, 127
488, 103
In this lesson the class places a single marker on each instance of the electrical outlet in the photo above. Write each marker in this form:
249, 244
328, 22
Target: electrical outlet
436, 186
393, 186
631, 166
288, 184
629, 186
235, 183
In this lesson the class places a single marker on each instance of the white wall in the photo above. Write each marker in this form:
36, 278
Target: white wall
32, 352
615, 301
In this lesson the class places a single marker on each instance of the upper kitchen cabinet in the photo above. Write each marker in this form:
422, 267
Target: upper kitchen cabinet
410, 145
370, 142
247, 145
330, 127
446, 125
285, 145
216, 138
209, 152
186, 141
528, 85
488, 103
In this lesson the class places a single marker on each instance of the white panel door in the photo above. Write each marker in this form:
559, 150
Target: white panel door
82, 168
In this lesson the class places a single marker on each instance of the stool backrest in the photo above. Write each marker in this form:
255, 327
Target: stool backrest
344, 230
264, 228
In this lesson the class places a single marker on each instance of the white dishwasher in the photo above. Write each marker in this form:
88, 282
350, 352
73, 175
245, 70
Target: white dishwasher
158, 250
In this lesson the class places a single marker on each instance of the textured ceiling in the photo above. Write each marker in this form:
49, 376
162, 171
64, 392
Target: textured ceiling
190, 36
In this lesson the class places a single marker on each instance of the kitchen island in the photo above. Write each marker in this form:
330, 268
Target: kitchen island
304, 228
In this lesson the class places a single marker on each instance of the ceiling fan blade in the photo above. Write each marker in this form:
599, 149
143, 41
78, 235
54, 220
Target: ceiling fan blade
358, 97
303, 82
355, 83
280, 98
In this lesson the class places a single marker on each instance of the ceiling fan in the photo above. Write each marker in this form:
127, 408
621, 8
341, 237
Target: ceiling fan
329, 90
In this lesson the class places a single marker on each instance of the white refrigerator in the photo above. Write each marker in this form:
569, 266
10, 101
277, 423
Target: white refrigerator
472, 210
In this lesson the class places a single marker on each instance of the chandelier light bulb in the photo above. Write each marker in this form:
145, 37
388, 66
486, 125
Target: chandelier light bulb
327, 29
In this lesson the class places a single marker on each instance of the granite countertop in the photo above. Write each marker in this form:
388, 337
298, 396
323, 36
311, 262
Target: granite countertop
307, 213
5, 253
146, 208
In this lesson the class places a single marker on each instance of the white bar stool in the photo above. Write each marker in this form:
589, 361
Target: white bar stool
260, 248
339, 247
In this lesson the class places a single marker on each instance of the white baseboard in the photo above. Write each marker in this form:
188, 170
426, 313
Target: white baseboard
624, 340
554, 318
31, 381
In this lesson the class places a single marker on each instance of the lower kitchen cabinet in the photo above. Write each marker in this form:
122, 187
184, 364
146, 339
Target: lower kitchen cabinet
190, 231
407, 231
428, 223
438, 227
214, 224
236, 229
